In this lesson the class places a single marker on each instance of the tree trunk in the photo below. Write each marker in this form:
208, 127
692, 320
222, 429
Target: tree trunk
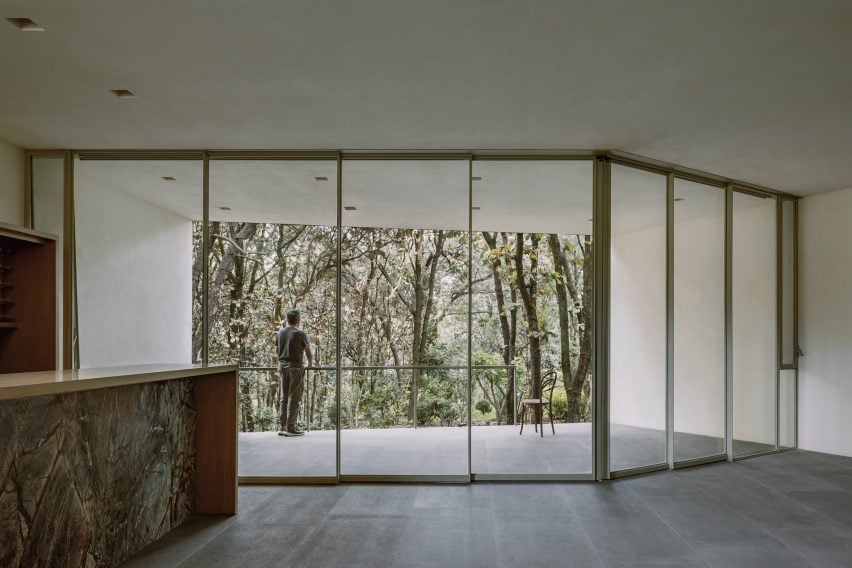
529, 296
506, 330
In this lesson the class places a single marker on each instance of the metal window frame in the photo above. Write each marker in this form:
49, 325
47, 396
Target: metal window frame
601, 160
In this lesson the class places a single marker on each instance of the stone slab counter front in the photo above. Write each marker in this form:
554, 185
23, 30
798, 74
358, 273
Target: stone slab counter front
97, 464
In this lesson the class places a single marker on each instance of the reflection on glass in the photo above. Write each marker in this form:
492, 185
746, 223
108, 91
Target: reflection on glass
637, 319
699, 320
404, 311
754, 323
788, 282
532, 316
48, 210
787, 404
134, 222
272, 250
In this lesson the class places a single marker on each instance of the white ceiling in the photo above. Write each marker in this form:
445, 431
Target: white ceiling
758, 90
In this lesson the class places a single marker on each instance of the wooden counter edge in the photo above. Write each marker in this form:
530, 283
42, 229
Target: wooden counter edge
216, 444
80, 385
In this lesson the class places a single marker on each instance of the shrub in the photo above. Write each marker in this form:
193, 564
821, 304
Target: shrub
483, 406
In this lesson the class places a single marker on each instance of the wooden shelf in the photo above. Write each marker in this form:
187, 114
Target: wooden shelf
28, 336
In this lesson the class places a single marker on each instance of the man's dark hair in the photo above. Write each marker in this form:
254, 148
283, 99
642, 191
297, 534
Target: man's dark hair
293, 317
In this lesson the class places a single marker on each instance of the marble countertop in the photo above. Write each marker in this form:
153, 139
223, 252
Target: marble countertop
23, 385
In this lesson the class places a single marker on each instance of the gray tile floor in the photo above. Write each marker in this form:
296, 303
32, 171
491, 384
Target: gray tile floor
443, 451
790, 509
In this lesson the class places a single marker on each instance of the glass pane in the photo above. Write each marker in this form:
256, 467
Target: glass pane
637, 319
787, 393
699, 320
273, 250
788, 283
404, 303
48, 190
532, 317
754, 323
134, 237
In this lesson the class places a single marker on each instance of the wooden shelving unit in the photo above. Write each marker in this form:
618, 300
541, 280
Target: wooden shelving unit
27, 300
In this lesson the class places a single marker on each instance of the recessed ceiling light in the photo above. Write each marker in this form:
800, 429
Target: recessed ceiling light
168, 178
678, 199
350, 208
476, 178
321, 178
122, 93
25, 24
476, 208
225, 208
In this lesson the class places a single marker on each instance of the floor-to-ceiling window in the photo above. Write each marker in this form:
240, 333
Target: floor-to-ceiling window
754, 308
699, 320
404, 323
462, 306
532, 314
638, 271
272, 234
134, 222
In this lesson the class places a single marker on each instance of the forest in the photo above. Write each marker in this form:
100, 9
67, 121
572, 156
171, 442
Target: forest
405, 297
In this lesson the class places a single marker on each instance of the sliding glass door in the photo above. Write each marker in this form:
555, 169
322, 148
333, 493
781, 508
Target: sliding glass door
532, 318
272, 236
404, 321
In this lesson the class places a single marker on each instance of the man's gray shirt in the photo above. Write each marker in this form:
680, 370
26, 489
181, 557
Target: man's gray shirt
291, 343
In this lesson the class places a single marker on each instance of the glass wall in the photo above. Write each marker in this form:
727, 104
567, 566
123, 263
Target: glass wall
789, 348
455, 296
273, 249
699, 320
754, 308
404, 292
532, 332
48, 215
134, 222
787, 395
637, 319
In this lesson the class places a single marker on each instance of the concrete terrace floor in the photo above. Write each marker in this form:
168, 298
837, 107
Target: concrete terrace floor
792, 509
443, 450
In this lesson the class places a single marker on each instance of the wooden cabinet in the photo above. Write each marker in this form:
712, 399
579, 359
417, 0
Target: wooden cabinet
27, 300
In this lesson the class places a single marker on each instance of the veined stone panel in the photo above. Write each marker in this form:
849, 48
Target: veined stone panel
89, 478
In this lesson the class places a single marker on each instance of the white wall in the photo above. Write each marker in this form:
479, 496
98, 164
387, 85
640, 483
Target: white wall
825, 323
134, 270
11, 184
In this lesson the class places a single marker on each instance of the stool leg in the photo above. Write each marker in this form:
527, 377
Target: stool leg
523, 412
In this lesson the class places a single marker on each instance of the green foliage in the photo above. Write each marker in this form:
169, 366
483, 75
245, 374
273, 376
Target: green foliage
396, 283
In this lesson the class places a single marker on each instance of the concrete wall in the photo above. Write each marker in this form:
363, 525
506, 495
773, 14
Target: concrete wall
134, 270
825, 323
11, 184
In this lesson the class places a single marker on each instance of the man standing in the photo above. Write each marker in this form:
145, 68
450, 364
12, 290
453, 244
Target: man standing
292, 344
